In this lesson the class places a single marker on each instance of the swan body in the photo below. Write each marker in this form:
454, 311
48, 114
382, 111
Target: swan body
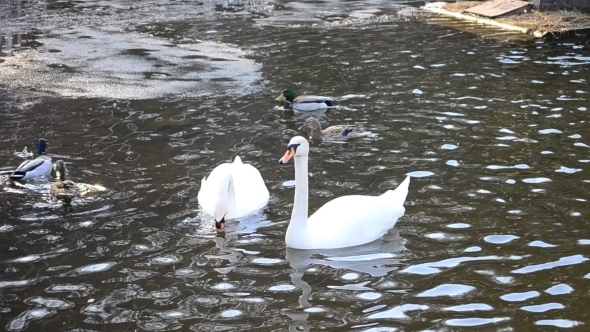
34, 168
64, 189
343, 222
337, 132
232, 190
304, 103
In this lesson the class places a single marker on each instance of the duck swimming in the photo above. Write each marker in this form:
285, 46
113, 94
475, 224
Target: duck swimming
232, 190
289, 100
338, 132
345, 221
34, 168
64, 189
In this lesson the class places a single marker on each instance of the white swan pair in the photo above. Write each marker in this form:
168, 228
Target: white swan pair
234, 190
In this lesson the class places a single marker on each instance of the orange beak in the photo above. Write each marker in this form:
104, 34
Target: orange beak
288, 155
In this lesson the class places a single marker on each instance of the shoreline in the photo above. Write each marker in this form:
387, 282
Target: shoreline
536, 23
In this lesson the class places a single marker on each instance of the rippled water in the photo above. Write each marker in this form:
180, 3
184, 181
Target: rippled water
492, 127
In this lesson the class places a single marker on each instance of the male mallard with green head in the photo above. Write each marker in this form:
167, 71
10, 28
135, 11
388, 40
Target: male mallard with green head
64, 189
289, 100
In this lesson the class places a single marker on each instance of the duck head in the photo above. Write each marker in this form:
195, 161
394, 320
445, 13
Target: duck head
288, 94
60, 166
297, 147
41, 146
311, 123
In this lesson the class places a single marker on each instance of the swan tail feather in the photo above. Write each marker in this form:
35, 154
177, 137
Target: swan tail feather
238, 160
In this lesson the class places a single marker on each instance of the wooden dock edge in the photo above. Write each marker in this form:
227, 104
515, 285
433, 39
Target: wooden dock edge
485, 21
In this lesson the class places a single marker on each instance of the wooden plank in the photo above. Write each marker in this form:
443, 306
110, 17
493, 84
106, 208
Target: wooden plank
480, 20
495, 8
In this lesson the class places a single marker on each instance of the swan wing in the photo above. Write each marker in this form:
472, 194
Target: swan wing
356, 219
251, 193
210, 186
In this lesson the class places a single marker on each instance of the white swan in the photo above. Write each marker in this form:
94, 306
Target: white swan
232, 190
342, 222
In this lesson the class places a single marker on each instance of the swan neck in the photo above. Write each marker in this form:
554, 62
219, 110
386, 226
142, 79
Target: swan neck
299, 216
231, 197
225, 204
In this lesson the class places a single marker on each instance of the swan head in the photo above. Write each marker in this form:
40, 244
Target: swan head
219, 215
298, 146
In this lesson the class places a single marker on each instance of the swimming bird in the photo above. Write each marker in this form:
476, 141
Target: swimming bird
232, 190
34, 168
345, 221
64, 189
338, 132
289, 100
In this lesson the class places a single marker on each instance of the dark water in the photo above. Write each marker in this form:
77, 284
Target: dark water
493, 127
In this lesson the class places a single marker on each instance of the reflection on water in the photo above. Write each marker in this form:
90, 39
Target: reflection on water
492, 129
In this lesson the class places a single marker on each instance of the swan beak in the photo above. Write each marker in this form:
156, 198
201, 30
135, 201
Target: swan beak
220, 225
288, 155
281, 97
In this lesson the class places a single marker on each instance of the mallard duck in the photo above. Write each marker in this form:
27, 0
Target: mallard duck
338, 132
64, 189
34, 168
232, 190
304, 103
342, 222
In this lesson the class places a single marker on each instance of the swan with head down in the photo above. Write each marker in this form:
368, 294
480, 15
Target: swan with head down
345, 221
232, 190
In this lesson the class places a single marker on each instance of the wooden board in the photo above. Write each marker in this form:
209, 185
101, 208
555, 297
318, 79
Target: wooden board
495, 8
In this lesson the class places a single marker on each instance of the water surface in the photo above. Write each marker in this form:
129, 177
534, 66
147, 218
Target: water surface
491, 127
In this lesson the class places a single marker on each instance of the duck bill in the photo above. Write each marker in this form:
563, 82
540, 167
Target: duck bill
281, 97
288, 155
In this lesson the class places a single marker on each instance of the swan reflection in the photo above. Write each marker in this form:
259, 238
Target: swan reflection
376, 259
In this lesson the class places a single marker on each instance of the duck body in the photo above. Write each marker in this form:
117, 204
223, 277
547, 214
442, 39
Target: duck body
304, 103
337, 132
346, 221
34, 168
64, 189
232, 190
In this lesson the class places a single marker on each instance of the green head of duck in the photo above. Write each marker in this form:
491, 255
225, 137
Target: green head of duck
288, 95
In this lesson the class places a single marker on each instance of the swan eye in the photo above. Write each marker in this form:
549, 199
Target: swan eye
293, 146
